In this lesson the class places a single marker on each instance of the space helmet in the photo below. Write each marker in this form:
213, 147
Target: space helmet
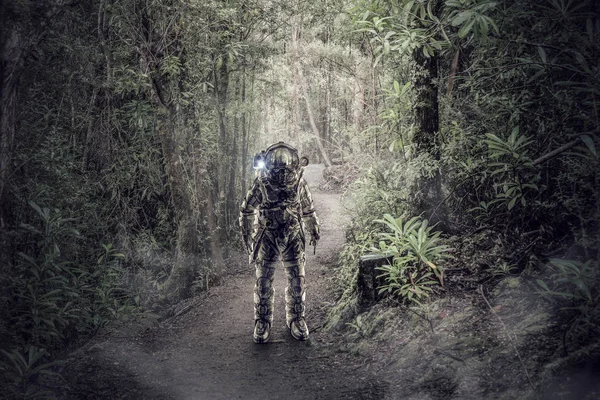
280, 162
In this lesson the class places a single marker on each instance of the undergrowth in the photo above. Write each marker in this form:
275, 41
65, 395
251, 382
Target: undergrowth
54, 296
416, 254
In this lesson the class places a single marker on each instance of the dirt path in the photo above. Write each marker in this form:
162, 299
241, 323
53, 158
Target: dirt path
208, 352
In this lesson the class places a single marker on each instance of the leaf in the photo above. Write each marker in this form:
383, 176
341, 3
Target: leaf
513, 134
543, 285
377, 59
27, 258
589, 142
582, 61
396, 87
542, 54
483, 27
494, 137
536, 75
461, 18
512, 202
408, 6
36, 207
465, 29
493, 24
589, 25
585, 290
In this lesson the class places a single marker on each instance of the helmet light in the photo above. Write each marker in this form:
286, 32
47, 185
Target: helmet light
259, 161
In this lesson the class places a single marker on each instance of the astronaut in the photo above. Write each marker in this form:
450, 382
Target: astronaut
274, 217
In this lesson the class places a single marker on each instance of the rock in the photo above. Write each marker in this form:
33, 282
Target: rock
367, 282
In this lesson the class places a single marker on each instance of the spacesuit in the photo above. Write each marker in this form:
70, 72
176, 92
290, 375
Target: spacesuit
274, 216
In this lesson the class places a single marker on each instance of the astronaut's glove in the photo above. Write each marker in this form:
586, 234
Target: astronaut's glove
248, 243
314, 237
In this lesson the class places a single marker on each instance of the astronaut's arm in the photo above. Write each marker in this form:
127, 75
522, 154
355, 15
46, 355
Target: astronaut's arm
248, 214
309, 216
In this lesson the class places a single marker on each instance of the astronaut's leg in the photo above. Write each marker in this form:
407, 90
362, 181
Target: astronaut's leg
295, 293
264, 298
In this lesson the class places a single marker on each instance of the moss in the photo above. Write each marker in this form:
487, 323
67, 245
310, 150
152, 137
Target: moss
513, 283
536, 322
344, 311
360, 349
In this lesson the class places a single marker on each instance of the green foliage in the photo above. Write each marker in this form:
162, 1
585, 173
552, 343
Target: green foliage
530, 82
357, 325
171, 66
503, 269
531, 89
57, 298
411, 286
397, 115
416, 253
408, 25
573, 280
472, 16
389, 186
575, 286
511, 171
381, 190
22, 369
54, 296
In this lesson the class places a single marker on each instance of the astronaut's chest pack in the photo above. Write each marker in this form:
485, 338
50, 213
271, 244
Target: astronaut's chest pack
276, 196
280, 209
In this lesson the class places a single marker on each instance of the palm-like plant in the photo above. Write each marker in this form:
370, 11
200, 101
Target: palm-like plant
416, 253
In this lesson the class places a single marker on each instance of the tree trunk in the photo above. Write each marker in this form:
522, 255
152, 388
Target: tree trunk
215, 250
426, 105
328, 135
180, 280
313, 124
244, 136
358, 102
232, 207
206, 190
426, 137
374, 96
295, 83
11, 64
221, 82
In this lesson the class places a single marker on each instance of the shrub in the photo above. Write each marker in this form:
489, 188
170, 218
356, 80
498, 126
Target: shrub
54, 296
416, 254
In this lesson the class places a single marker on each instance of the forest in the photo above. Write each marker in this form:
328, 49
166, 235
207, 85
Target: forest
461, 136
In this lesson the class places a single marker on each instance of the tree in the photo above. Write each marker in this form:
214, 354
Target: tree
161, 54
425, 30
22, 26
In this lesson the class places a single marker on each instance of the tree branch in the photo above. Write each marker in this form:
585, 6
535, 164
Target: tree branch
559, 150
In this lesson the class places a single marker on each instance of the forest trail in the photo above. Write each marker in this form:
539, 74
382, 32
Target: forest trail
208, 352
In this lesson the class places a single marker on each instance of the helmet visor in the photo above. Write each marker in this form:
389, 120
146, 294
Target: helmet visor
281, 157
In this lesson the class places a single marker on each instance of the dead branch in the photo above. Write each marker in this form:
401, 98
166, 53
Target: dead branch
561, 149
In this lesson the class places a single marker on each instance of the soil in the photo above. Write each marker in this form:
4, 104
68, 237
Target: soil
205, 351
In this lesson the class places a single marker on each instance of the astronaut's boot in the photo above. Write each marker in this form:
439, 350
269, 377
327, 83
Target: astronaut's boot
294, 308
264, 300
